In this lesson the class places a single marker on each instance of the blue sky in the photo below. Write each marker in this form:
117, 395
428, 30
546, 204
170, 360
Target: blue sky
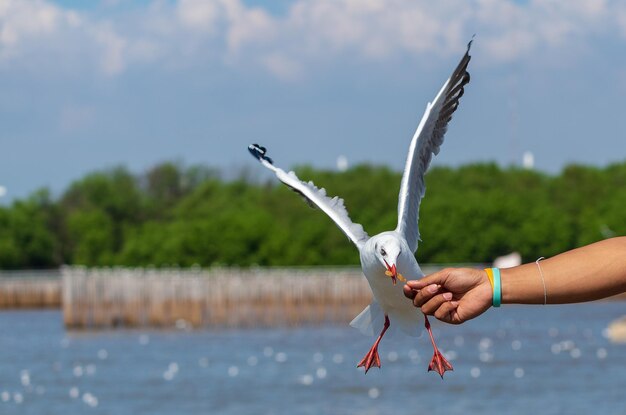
91, 85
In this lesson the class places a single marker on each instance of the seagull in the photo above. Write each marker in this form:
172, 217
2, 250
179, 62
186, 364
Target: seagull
390, 256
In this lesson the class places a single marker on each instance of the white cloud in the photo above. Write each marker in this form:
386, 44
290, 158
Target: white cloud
620, 16
112, 55
21, 21
247, 26
198, 14
189, 32
282, 67
516, 31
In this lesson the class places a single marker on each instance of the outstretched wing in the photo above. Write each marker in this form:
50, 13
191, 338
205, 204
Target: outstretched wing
426, 141
314, 196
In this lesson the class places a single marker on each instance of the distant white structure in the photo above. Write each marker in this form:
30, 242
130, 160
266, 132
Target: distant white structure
528, 160
508, 261
342, 163
3, 191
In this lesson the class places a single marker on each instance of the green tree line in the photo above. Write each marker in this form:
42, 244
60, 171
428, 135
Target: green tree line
177, 215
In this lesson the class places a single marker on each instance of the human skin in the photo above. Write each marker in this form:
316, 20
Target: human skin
455, 295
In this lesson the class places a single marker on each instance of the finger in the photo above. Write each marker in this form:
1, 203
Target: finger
438, 277
409, 292
446, 312
434, 303
425, 294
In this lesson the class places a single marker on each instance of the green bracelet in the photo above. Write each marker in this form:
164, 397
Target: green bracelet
497, 287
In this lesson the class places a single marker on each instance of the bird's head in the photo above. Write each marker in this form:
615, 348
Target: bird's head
388, 250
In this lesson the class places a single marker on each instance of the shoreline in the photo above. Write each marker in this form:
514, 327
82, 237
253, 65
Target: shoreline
194, 298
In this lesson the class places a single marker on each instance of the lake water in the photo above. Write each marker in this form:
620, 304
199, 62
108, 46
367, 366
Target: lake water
514, 360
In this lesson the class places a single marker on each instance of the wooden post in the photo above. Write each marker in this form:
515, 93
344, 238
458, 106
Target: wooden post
94, 298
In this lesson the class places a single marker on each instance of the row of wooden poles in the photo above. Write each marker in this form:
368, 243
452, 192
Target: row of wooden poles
96, 298
228, 297
30, 289
186, 298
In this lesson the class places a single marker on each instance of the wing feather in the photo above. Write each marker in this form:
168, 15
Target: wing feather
426, 141
314, 196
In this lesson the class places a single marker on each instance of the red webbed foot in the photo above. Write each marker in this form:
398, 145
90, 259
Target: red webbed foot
370, 359
439, 364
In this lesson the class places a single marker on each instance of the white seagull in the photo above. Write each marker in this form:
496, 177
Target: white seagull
389, 256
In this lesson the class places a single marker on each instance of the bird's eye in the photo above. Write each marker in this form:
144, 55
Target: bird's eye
383, 252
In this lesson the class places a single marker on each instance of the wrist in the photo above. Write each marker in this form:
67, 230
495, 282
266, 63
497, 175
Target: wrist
516, 287
486, 290
493, 274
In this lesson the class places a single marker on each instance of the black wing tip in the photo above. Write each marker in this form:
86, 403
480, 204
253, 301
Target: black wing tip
460, 75
258, 152
469, 44
467, 57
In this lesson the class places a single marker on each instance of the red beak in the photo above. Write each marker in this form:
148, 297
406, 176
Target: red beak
392, 270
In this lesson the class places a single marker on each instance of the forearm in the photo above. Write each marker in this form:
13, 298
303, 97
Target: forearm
583, 274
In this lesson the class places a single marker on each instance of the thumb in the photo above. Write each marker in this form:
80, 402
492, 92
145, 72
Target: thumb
438, 277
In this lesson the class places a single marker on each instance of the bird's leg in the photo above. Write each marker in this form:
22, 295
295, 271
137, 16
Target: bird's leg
438, 363
371, 358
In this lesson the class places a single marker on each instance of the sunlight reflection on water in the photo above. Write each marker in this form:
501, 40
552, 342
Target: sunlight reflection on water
524, 358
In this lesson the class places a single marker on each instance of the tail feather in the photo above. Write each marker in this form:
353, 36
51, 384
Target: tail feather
370, 321
406, 319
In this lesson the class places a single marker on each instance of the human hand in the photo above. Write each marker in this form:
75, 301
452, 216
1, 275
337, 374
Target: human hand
452, 295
